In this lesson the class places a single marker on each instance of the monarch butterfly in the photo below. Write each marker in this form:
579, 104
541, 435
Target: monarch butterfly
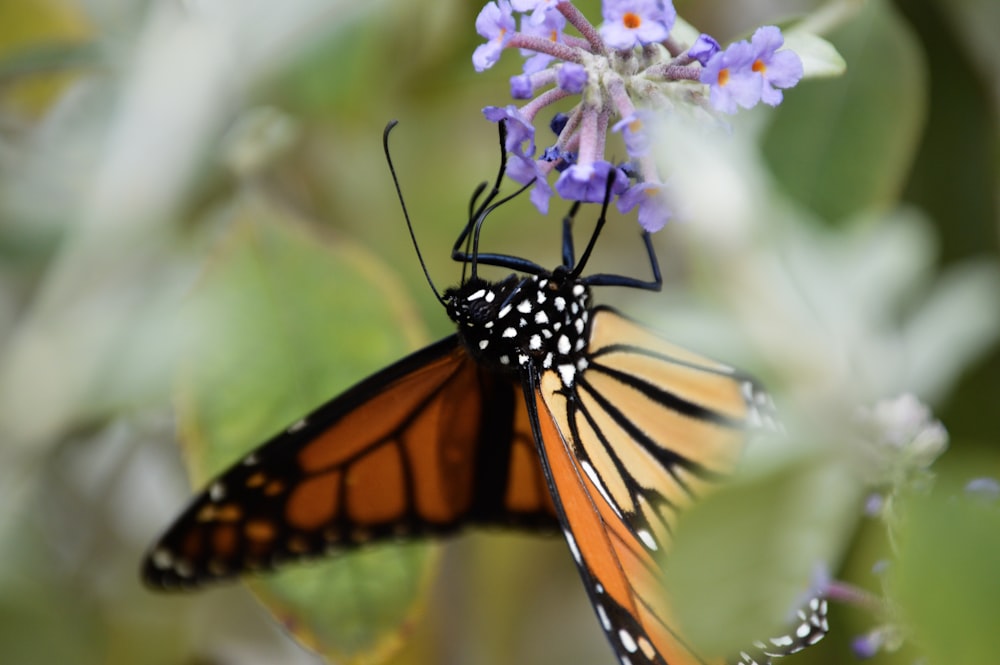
542, 412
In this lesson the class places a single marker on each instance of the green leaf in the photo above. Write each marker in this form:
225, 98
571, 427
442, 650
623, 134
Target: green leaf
820, 58
945, 579
281, 322
845, 146
745, 557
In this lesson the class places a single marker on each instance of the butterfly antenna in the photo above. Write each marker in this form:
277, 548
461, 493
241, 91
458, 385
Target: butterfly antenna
486, 213
402, 204
479, 216
472, 212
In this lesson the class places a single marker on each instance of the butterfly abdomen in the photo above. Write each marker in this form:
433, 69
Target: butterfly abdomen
542, 321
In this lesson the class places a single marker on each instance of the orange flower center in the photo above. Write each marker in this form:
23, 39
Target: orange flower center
631, 21
724, 76
759, 67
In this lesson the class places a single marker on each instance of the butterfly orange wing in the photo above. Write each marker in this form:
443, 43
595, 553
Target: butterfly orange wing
642, 431
424, 447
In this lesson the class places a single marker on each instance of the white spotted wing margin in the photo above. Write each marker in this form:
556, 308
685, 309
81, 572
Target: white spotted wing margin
634, 438
812, 627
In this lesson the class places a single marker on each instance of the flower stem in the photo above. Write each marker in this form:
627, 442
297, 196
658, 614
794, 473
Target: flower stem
673, 48
848, 593
568, 131
580, 22
589, 136
531, 109
619, 96
671, 72
547, 46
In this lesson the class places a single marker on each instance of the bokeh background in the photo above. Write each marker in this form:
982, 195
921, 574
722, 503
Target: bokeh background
199, 241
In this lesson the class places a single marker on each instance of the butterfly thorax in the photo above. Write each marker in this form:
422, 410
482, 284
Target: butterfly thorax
539, 321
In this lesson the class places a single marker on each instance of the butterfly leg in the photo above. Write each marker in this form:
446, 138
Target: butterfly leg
601, 279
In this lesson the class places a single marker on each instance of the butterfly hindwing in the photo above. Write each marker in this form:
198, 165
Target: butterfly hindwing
638, 435
425, 447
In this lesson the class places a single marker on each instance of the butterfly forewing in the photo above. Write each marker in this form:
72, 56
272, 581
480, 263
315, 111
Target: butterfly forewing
425, 447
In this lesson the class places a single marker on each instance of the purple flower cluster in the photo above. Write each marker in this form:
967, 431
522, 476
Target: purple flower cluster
619, 71
747, 72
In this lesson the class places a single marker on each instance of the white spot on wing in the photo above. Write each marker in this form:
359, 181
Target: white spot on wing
541, 318
162, 559
510, 332
567, 373
560, 303
571, 541
627, 641
563, 345
490, 297
578, 290
216, 491
647, 539
524, 306
535, 342
484, 343
603, 616
477, 295
594, 478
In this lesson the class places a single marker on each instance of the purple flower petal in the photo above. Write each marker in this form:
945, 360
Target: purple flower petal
519, 130
496, 23
986, 487
704, 48
588, 182
539, 9
778, 69
653, 209
558, 123
571, 77
550, 28
628, 23
731, 80
866, 646
523, 169
520, 87
636, 140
